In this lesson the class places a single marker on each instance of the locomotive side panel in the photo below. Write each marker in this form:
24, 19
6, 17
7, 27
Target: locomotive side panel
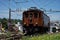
46, 20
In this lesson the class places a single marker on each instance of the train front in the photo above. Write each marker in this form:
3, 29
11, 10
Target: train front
31, 20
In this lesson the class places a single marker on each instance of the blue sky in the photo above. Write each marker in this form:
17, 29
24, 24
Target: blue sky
45, 4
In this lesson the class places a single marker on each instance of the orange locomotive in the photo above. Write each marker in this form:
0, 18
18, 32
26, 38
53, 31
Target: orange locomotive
34, 20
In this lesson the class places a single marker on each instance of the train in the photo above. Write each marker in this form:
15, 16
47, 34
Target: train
35, 20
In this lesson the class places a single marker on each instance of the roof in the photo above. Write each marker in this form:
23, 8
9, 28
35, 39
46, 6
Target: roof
33, 9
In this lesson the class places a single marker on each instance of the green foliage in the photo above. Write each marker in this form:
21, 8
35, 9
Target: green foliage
16, 20
4, 22
55, 36
0, 19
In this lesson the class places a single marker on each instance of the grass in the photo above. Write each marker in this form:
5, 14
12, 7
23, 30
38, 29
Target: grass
55, 36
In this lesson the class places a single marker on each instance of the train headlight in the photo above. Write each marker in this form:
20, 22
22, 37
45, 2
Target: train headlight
24, 23
36, 23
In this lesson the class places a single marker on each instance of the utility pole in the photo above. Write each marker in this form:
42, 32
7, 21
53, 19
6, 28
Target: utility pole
19, 10
9, 20
9, 15
9, 12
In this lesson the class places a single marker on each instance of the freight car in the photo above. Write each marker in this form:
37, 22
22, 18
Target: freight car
34, 20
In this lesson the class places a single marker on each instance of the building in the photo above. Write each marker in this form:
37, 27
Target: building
54, 27
19, 26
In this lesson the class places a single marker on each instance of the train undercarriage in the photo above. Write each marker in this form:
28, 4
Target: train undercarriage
35, 29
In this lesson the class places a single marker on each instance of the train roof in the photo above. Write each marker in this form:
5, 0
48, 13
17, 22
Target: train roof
34, 9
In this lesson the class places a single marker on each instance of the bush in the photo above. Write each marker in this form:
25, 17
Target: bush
55, 36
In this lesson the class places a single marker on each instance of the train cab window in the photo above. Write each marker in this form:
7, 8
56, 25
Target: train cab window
30, 21
26, 15
31, 14
39, 15
35, 15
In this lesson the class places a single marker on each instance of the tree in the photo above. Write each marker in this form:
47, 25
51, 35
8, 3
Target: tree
4, 23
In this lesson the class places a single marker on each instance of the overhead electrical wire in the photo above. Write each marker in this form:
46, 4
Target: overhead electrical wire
35, 3
19, 2
4, 4
49, 3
